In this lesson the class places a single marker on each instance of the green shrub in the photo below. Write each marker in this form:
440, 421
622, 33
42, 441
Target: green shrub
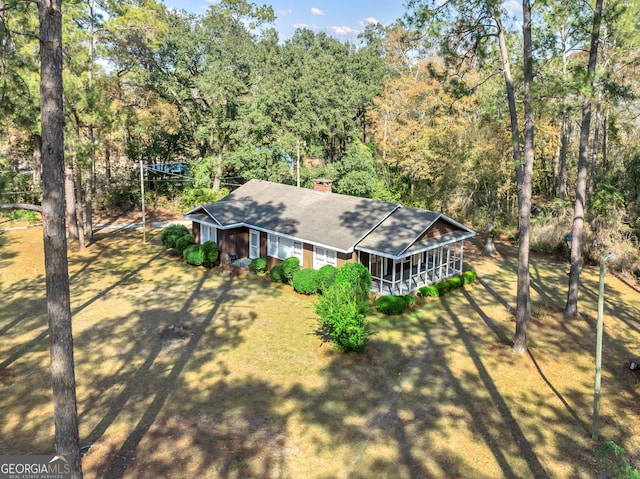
258, 265
342, 321
29, 216
443, 288
289, 267
357, 276
326, 277
197, 196
449, 285
210, 253
469, 276
171, 234
392, 305
430, 291
193, 254
183, 242
276, 274
305, 281
610, 455
119, 197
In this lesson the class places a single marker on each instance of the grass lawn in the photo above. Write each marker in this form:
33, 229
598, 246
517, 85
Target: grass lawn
243, 388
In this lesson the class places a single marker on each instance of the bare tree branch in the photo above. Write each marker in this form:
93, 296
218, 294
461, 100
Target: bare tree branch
20, 206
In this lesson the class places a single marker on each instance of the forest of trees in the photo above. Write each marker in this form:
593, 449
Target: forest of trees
454, 108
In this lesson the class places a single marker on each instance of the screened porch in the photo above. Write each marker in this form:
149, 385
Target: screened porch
399, 276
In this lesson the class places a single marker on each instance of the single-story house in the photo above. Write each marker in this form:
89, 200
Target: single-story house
403, 248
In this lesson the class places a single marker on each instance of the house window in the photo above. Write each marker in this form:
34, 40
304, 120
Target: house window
272, 245
322, 256
283, 248
208, 233
254, 244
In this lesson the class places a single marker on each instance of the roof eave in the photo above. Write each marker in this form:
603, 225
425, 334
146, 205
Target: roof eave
403, 254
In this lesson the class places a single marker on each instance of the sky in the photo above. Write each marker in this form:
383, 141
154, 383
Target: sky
343, 19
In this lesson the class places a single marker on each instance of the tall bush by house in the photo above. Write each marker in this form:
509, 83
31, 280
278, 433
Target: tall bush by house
171, 234
210, 253
357, 276
326, 277
342, 318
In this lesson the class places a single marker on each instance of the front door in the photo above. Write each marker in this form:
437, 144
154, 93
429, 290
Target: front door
254, 244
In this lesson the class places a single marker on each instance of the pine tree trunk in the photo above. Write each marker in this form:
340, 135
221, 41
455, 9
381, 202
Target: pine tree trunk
107, 164
594, 149
70, 201
523, 302
79, 209
54, 234
571, 308
88, 201
564, 142
37, 161
523, 308
556, 173
564, 133
605, 138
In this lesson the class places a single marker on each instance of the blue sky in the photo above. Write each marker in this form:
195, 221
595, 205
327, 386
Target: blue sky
343, 20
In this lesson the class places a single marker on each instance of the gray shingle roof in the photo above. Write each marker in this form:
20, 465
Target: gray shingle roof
399, 231
330, 219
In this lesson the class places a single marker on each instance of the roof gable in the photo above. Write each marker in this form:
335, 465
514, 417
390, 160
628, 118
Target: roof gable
408, 230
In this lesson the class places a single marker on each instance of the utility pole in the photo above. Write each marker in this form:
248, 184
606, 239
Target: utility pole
144, 225
599, 328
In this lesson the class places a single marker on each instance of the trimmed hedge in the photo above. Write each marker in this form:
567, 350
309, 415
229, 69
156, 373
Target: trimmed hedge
305, 281
210, 253
393, 305
183, 242
193, 254
258, 265
171, 234
326, 277
276, 274
440, 289
428, 291
289, 267
469, 276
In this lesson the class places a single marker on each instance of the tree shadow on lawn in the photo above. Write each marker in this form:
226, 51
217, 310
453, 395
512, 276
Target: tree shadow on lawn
560, 345
25, 383
160, 375
409, 413
441, 391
